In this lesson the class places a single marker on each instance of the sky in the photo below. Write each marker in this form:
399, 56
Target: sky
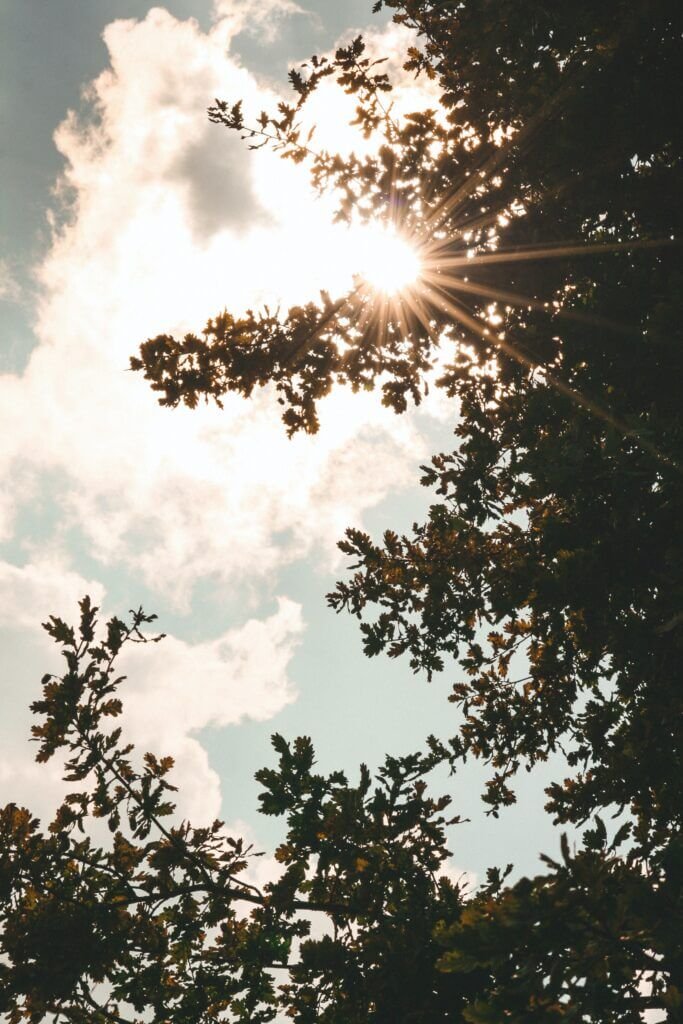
124, 214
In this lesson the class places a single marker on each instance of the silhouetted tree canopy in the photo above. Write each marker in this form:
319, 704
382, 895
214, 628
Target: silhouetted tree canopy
543, 195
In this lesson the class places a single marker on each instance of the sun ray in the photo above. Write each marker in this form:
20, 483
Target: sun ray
413, 301
516, 141
406, 272
551, 251
591, 405
510, 298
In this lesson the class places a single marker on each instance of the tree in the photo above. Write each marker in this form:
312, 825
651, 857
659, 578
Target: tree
163, 913
543, 196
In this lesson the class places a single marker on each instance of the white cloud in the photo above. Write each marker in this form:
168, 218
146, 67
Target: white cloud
169, 220
258, 17
38, 787
464, 880
156, 243
174, 688
332, 111
239, 674
29, 594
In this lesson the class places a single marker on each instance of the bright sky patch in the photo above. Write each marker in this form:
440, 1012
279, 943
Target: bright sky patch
388, 262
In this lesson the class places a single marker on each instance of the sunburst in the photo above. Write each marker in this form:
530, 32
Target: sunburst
404, 278
389, 263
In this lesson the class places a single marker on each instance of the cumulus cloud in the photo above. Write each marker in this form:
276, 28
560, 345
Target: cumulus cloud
165, 221
172, 494
258, 17
331, 111
174, 688
29, 594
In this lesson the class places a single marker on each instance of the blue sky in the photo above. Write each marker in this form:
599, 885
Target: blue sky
123, 214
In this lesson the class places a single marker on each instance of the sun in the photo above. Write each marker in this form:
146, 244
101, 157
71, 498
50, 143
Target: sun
389, 263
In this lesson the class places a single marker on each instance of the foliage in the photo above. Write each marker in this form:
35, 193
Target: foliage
542, 194
160, 916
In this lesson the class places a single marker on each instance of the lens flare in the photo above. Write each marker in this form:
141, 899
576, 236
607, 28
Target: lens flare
388, 262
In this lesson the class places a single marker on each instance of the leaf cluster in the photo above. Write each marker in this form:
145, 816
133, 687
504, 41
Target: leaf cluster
162, 917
